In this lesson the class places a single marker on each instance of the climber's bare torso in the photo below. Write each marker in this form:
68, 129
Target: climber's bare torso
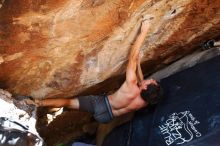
128, 98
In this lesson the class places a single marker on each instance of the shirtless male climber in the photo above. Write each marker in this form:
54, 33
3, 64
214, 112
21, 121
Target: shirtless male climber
133, 94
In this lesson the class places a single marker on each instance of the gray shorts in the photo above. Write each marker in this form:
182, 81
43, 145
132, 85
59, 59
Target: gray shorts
99, 106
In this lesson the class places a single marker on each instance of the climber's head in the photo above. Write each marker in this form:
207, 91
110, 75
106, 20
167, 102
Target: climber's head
151, 91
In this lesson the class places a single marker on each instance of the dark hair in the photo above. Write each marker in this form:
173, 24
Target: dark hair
153, 94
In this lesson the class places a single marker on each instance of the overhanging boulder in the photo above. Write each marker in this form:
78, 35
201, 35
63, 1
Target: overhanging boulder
61, 48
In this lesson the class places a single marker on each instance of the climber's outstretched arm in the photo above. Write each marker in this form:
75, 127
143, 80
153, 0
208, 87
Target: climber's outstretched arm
131, 76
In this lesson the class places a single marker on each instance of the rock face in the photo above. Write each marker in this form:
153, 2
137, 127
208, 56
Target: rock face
16, 122
62, 48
